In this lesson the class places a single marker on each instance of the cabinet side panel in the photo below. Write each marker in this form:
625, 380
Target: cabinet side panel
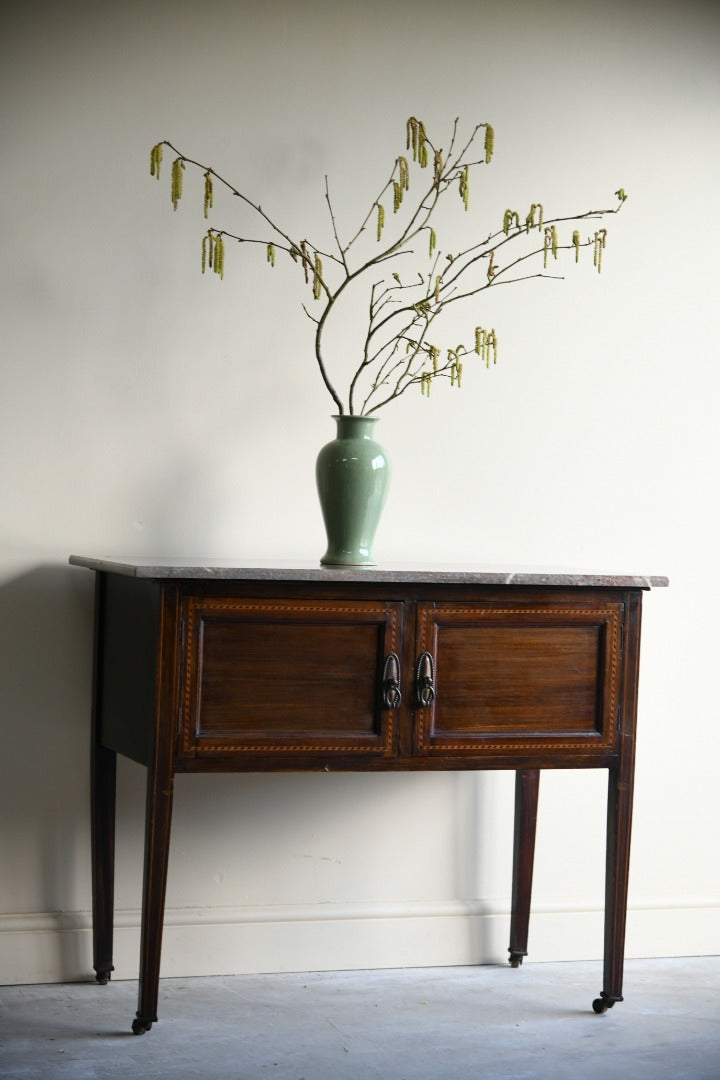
129, 635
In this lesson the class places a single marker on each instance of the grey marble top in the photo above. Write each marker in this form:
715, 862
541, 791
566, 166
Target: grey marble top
421, 573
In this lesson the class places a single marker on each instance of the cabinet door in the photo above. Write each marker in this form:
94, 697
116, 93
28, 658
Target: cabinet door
520, 676
277, 677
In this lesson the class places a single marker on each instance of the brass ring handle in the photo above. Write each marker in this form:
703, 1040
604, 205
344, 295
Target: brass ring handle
392, 695
425, 680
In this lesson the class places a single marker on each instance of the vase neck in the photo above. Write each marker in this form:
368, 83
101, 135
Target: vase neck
355, 427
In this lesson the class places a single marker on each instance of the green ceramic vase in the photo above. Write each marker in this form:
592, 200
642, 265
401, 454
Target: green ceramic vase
352, 475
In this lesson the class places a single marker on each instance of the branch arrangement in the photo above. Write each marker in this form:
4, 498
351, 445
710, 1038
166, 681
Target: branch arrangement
401, 348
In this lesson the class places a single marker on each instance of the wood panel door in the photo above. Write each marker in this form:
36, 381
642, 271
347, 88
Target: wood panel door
520, 676
281, 677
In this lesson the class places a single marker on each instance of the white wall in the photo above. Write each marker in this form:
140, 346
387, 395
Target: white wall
147, 410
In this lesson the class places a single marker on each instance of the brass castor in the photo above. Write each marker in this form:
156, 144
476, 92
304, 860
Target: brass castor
516, 959
140, 1025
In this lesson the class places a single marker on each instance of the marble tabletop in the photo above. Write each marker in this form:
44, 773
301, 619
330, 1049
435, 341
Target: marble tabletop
422, 573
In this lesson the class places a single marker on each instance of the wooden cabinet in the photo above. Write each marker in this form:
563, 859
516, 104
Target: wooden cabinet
209, 669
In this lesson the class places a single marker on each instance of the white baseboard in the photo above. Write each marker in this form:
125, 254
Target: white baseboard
57, 947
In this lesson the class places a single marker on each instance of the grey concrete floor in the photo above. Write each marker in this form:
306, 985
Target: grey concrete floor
426, 1024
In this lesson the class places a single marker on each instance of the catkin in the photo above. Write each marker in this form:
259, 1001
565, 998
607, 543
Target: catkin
416, 138
550, 244
271, 254
465, 186
317, 278
411, 139
576, 244
178, 167
530, 219
209, 196
490, 346
510, 218
219, 257
486, 345
489, 143
380, 220
422, 146
438, 166
156, 155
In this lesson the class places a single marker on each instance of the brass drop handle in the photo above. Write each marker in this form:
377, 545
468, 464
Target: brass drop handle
392, 695
425, 680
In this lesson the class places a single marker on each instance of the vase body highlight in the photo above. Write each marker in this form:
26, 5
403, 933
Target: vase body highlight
352, 474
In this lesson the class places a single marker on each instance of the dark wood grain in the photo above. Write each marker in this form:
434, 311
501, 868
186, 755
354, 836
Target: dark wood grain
619, 818
527, 782
544, 679
103, 769
158, 813
287, 677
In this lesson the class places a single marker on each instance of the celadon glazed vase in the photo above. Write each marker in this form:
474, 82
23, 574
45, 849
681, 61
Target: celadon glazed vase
352, 475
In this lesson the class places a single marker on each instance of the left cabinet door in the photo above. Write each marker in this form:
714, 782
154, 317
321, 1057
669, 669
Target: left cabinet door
265, 679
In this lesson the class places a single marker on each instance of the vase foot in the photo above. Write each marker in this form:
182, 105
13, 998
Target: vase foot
348, 562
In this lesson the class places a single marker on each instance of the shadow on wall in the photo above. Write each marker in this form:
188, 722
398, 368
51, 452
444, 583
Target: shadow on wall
323, 830
45, 691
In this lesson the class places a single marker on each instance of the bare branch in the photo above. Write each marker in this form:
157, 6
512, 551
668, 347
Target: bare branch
401, 313
334, 226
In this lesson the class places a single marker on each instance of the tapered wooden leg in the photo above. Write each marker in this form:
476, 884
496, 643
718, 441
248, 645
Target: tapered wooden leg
527, 783
102, 829
157, 849
158, 812
619, 820
103, 767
